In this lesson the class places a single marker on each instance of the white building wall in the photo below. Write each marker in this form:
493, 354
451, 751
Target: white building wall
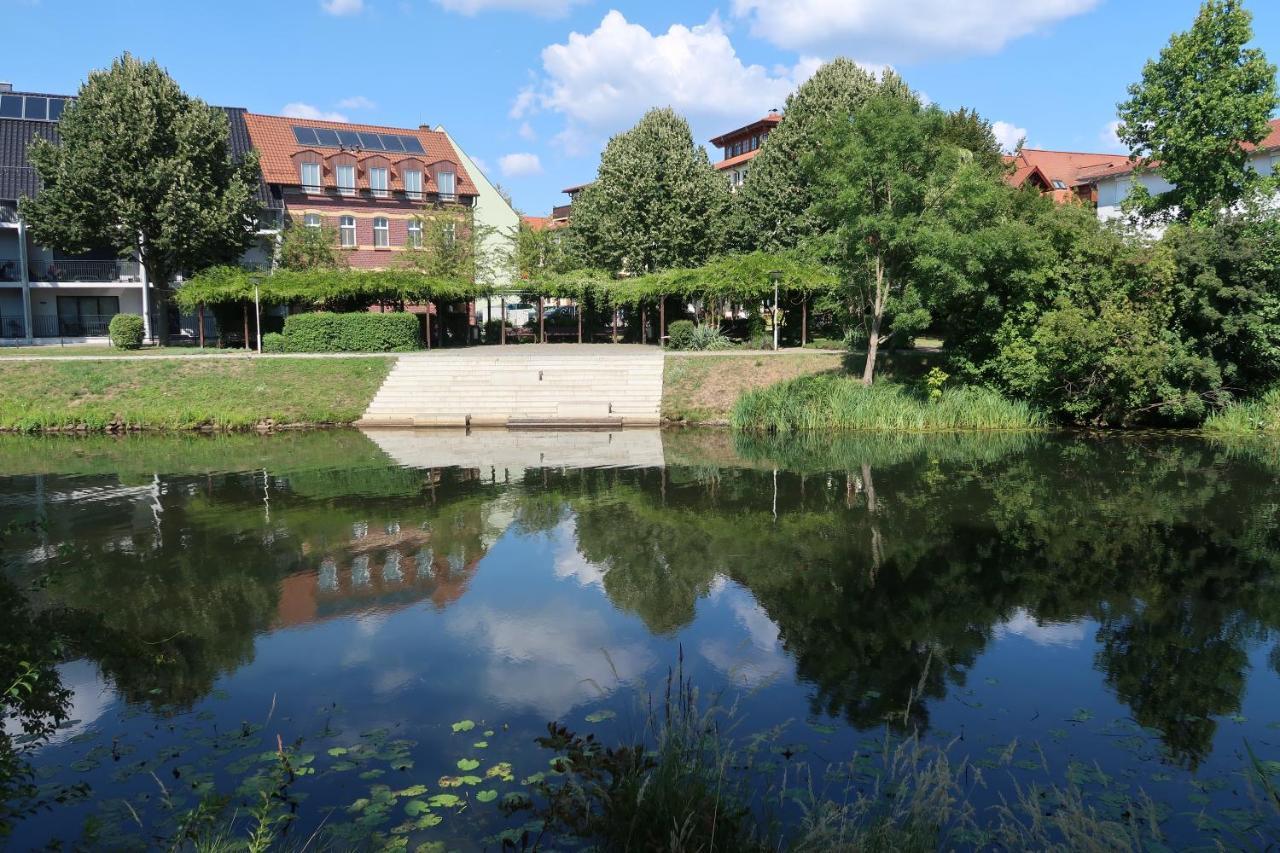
493, 212
1112, 192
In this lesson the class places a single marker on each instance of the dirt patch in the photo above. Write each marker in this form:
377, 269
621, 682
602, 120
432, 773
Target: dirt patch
703, 389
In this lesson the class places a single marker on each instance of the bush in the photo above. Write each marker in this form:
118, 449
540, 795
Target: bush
125, 331
680, 334
323, 331
273, 342
1260, 415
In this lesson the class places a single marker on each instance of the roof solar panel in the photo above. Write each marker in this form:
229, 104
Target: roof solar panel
305, 135
326, 136
392, 142
372, 141
411, 144
349, 138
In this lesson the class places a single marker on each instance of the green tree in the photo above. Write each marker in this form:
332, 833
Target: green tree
1198, 104
145, 170
969, 131
773, 209
882, 180
656, 203
310, 248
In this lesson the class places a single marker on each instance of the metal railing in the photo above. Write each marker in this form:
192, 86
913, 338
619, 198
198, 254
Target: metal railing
83, 326
56, 271
10, 269
12, 326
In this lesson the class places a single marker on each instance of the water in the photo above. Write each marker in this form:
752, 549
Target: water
388, 603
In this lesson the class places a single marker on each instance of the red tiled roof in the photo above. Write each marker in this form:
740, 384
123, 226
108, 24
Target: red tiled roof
544, 223
1269, 142
1064, 166
272, 137
744, 157
768, 121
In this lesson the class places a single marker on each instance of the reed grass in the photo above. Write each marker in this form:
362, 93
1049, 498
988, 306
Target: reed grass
1259, 416
832, 402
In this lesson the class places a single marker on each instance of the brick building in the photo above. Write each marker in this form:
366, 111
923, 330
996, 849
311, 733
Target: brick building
741, 146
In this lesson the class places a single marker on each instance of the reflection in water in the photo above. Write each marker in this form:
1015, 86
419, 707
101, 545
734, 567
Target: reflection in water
868, 577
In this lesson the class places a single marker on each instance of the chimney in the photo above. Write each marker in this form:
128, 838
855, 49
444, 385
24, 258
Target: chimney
426, 127
6, 86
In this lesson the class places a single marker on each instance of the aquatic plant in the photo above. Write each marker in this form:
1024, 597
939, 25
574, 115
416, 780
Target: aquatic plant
1247, 417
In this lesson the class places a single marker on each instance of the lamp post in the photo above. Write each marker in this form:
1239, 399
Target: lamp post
775, 276
257, 312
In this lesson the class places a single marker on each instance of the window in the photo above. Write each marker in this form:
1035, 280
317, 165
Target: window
311, 177
347, 180
446, 183
311, 220
415, 233
347, 231
80, 316
1059, 185
378, 181
381, 233
755, 143
413, 183
450, 234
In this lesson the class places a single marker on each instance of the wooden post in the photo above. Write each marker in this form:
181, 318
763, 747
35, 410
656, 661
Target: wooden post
542, 332
201, 325
804, 321
578, 302
662, 320
502, 333
428, 324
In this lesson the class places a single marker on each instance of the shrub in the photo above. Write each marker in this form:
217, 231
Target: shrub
125, 331
273, 342
680, 334
709, 338
1247, 417
323, 331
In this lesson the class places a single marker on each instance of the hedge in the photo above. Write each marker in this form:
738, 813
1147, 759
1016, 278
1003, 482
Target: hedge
125, 331
273, 342
324, 331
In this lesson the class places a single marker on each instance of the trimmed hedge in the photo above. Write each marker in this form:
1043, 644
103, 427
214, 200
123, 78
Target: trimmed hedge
680, 335
125, 331
324, 331
273, 342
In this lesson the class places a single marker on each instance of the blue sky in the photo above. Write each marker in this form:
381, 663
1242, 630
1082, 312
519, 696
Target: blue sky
533, 88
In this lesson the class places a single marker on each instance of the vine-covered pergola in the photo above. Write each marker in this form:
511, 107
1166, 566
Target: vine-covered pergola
730, 280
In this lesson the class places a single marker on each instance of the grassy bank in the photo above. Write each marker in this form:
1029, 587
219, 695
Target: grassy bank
1259, 416
703, 388
177, 394
833, 402
108, 351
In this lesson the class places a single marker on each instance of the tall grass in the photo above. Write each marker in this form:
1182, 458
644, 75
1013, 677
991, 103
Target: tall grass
1260, 415
833, 402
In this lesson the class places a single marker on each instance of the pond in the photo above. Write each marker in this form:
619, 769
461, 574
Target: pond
405, 612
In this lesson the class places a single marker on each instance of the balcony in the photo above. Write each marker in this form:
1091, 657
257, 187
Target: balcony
562, 211
81, 326
11, 326
84, 271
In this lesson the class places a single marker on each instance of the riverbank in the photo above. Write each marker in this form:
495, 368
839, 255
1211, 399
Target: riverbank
152, 393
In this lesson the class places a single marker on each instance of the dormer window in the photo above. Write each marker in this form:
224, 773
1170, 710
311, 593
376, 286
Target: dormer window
346, 179
378, 181
311, 180
446, 185
413, 183
1059, 185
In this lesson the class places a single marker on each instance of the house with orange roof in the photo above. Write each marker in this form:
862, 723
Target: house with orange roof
741, 145
1058, 173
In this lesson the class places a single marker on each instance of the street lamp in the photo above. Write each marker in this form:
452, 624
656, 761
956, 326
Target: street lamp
257, 311
775, 276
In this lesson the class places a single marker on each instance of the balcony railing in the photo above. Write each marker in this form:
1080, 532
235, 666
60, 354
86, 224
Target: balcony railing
66, 271
83, 326
11, 326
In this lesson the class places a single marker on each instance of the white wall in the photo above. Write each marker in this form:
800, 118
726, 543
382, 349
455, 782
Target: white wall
493, 211
1112, 192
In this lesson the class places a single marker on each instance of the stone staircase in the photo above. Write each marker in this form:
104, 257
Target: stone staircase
554, 386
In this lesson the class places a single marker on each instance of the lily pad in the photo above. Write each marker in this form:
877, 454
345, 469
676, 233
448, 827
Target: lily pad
338, 750
463, 726
488, 732
487, 796
481, 744
444, 801
601, 715
465, 764
501, 770
413, 808
412, 791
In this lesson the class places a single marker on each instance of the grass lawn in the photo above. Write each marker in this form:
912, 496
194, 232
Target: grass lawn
105, 350
186, 394
703, 388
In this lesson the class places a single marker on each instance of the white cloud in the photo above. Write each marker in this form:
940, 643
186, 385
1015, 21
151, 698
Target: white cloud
298, 109
342, 7
519, 165
901, 30
545, 8
1008, 135
356, 102
527, 132
1110, 137
1023, 624
603, 81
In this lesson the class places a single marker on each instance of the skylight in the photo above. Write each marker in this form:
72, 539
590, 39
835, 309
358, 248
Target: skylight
330, 138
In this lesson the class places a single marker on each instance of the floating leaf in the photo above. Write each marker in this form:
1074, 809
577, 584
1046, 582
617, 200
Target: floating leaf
481, 744
463, 726
465, 764
487, 796
427, 821
502, 771
450, 781
412, 791
431, 847
444, 801
823, 728
600, 716
372, 774
488, 732
413, 808
336, 751
471, 780
1081, 715
533, 778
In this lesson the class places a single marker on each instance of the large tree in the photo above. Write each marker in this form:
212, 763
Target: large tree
1193, 111
656, 203
146, 170
772, 210
884, 179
